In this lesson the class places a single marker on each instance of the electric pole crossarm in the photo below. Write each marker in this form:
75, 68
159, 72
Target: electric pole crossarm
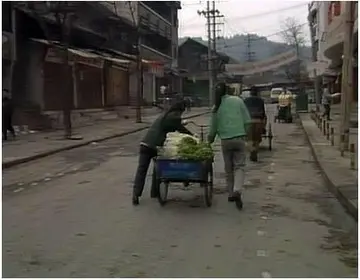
211, 15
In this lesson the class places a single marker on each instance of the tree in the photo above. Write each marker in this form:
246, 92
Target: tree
63, 12
293, 36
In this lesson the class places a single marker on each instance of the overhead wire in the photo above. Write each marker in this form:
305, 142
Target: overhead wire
267, 13
268, 36
271, 12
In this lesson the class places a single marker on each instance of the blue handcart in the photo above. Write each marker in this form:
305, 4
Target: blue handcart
168, 171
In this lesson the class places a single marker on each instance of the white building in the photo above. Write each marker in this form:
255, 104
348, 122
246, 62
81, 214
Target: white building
328, 22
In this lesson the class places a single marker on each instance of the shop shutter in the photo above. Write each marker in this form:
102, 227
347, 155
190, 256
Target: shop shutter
88, 84
117, 93
54, 89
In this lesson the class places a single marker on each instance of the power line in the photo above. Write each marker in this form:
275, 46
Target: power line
200, 2
233, 29
267, 36
271, 12
211, 16
268, 13
235, 32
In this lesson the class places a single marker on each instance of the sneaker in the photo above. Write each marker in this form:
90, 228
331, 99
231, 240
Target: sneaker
238, 200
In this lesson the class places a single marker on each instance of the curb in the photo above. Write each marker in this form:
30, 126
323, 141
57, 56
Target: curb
344, 201
6, 165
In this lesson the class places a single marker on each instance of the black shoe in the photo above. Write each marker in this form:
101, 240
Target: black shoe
238, 200
135, 200
231, 199
253, 156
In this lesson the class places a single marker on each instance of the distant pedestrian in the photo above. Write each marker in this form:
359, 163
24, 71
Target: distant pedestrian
326, 102
7, 112
256, 107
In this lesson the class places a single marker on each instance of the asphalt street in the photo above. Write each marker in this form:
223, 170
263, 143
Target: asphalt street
70, 215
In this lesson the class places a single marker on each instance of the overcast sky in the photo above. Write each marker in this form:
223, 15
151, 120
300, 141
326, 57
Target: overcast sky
263, 17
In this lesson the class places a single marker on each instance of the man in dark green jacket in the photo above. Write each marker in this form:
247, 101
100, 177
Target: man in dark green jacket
169, 121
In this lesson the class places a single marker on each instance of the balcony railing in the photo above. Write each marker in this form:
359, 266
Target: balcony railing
161, 8
154, 23
126, 10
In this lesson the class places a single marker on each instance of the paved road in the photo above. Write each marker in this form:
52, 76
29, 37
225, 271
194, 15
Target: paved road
70, 215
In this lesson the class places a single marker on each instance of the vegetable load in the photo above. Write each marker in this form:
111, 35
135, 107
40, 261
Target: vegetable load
183, 146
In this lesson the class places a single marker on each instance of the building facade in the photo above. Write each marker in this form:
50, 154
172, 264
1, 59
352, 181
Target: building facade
157, 24
193, 59
101, 50
327, 19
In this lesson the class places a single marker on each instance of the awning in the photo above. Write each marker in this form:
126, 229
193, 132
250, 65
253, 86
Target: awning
83, 53
111, 58
123, 54
86, 53
45, 42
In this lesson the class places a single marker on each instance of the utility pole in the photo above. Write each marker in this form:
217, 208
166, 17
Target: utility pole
13, 49
211, 16
214, 56
347, 71
206, 14
249, 53
139, 68
317, 78
215, 14
140, 80
68, 102
210, 70
64, 13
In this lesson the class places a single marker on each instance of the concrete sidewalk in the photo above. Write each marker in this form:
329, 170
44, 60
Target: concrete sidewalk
342, 181
35, 146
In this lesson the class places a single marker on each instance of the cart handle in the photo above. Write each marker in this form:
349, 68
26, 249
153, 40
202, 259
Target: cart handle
186, 122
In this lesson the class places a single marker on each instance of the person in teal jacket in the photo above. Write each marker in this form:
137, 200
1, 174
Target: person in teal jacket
230, 121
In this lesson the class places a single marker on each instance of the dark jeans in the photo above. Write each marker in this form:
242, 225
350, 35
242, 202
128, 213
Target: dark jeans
327, 111
146, 154
7, 126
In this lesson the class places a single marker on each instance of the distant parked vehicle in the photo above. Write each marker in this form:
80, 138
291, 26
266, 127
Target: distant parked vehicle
274, 94
245, 94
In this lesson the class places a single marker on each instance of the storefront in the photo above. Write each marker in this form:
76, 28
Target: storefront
89, 81
6, 59
117, 86
54, 81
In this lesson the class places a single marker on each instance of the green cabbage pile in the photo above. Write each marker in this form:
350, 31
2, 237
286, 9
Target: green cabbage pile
190, 149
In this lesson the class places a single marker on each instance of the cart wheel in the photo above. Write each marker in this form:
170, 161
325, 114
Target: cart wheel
270, 137
208, 187
163, 192
154, 184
